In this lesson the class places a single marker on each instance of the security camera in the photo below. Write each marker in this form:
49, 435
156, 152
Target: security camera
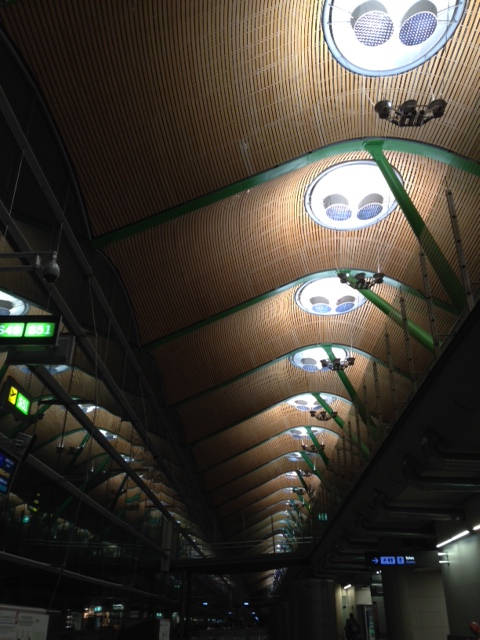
51, 269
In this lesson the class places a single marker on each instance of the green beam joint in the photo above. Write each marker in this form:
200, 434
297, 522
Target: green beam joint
352, 393
420, 335
317, 445
361, 445
438, 261
311, 466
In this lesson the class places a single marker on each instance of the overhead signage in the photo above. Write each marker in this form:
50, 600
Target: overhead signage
378, 561
29, 330
14, 398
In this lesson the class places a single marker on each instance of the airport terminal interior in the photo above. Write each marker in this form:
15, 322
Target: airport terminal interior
239, 343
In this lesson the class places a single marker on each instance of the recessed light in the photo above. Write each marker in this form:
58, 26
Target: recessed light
349, 196
328, 297
11, 305
385, 38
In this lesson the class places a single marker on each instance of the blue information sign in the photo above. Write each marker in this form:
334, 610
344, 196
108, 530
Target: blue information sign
393, 560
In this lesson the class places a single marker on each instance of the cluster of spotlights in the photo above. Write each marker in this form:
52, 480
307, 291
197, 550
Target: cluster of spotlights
323, 416
362, 281
409, 113
338, 364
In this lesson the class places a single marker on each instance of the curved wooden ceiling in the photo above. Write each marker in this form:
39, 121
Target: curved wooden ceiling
161, 103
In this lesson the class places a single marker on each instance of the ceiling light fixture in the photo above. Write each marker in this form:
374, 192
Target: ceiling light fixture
311, 359
385, 38
323, 416
11, 305
361, 280
349, 196
462, 534
327, 297
409, 113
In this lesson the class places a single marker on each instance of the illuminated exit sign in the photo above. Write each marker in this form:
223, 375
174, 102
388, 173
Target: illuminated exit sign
15, 398
29, 330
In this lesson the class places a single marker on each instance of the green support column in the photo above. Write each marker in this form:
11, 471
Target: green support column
352, 393
420, 335
438, 261
317, 445
363, 447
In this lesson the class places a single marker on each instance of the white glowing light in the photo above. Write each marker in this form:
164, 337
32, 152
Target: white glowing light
379, 38
305, 402
349, 196
328, 297
462, 534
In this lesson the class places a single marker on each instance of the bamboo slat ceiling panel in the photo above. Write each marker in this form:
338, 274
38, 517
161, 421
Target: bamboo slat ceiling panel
161, 102
251, 243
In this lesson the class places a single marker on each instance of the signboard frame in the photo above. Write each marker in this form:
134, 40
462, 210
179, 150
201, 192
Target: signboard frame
32, 339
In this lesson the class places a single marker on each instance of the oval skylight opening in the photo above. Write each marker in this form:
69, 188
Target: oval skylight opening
349, 196
310, 360
11, 305
304, 402
339, 297
385, 38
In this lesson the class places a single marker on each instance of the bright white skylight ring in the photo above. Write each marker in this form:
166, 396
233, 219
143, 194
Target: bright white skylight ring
349, 196
336, 297
11, 305
389, 37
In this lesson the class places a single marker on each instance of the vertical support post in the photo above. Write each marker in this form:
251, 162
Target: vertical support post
408, 345
186, 597
391, 376
428, 298
459, 247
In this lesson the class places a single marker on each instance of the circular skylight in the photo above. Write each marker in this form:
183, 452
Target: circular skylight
304, 402
299, 433
12, 306
310, 360
328, 296
379, 38
349, 196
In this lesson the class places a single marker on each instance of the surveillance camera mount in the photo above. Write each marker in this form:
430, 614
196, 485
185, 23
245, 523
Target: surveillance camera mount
49, 268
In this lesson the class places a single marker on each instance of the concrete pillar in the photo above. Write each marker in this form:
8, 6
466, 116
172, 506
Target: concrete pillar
314, 615
415, 604
461, 580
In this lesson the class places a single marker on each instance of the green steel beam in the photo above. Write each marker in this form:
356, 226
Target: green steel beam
317, 445
254, 446
312, 467
445, 306
351, 391
420, 335
362, 446
347, 146
271, 363
300, 477
79, 450
438, 261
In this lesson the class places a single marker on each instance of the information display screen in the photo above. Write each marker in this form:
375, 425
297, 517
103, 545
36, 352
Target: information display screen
7, 468
391, 560
14, 398
29, 330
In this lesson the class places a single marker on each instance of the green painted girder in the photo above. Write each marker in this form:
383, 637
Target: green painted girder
275, 361
317, 445
351, 391
254, 446
348, 146
250, 471
362, 446
445, 306
28, 421
438, 261
56, 437
312, 467
300, 477
79, 451
253, 415
420, 335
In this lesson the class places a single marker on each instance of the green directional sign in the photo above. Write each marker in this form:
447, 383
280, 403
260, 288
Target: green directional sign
14, 398
29, 330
